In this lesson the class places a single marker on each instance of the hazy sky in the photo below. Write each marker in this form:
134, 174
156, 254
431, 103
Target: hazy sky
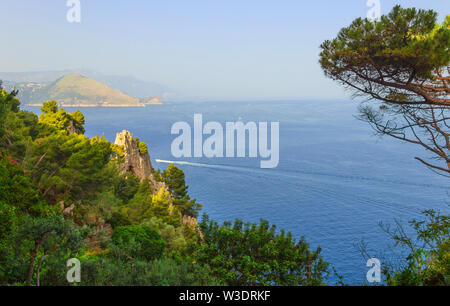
204, 49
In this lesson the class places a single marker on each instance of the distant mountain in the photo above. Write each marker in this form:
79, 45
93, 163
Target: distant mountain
131, 85
126, 84
78, 91
37, 77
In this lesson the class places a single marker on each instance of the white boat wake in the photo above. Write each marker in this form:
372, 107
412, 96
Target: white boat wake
194, 164
293, 174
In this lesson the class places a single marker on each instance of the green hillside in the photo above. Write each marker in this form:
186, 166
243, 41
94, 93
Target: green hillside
77, 90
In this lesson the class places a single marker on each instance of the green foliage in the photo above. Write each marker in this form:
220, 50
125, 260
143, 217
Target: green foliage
107, 204
141, 145
53, 120
22, 128
8, 102
427, 258
145, 205
67, 167
126, 187
139, 241
78, 117
139, 208
394, 60
172, 235
174, 179
8, 226
254, 254
143, 148
106, 271
171, 273
17, 190
50, 107
162, 208
9, 105
8, 220
38, 239
403, 36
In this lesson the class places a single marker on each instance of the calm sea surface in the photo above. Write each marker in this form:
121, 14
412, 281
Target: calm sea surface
335, 181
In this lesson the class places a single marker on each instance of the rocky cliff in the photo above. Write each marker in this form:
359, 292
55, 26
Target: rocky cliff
135, 161
138, 163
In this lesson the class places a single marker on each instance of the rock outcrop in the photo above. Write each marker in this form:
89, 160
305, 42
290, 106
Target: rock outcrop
152, 100
135, 161
139, 164
66, 210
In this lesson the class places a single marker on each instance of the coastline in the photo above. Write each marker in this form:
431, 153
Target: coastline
93, 105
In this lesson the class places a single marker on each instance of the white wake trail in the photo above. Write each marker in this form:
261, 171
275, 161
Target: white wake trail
293, 174
193, 164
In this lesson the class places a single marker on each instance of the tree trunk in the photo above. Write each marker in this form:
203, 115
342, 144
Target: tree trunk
33, 259
39, 269
308, 266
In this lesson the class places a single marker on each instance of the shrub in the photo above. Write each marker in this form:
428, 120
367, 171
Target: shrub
139, 241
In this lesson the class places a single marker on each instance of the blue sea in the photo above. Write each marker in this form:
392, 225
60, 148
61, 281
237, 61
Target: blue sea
335, 182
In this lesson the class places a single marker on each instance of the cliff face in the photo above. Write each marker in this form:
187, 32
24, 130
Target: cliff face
135, 161
139, 164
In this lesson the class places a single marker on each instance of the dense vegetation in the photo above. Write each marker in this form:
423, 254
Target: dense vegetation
427, 258
63, 196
